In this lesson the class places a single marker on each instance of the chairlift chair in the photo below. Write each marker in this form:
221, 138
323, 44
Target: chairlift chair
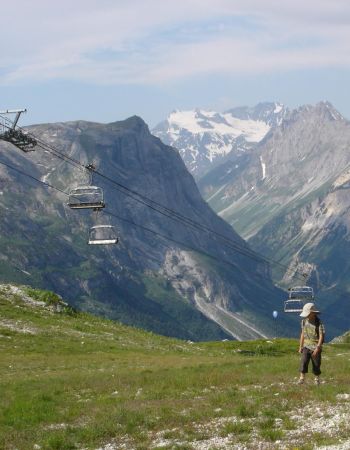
298, 296
102, 235
86, 197
293, 306
302, 292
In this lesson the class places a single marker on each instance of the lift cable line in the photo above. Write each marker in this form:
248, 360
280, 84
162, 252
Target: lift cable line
66, 194
161, 209
174, 215
137, 225
131, 222
147, 229
170, 213
32, 177
157, 207
186, 221
165, 211
238, 249
155, 233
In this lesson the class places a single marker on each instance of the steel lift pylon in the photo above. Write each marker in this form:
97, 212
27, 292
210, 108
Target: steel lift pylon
17, 137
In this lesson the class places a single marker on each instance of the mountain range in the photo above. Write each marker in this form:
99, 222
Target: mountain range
179, 269
288, 196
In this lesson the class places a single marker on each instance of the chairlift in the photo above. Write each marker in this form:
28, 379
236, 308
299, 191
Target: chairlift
86, 197
298, 297
103, 234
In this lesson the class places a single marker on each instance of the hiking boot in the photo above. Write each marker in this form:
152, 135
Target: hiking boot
301, 381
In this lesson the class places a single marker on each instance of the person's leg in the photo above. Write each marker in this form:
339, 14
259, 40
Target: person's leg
316, 367
304, 364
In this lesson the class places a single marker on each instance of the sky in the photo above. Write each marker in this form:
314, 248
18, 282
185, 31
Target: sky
106, 60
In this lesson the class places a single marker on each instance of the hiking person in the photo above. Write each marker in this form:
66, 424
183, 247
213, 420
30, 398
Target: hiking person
311, 340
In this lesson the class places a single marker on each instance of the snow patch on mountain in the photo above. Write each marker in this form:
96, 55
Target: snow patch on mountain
278, 108
263, 167
200, 122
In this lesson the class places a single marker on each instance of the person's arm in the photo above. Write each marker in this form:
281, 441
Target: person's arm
319, 343
301, 341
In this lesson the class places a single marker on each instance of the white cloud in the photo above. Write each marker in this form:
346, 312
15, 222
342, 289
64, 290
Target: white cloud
154, 41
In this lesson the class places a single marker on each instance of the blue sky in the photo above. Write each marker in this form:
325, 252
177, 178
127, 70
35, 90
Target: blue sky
105, 60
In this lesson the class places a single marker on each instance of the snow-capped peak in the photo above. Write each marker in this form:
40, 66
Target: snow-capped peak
204, 137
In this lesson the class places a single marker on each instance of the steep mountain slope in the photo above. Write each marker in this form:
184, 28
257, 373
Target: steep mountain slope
147, 281
290, 199
206, 138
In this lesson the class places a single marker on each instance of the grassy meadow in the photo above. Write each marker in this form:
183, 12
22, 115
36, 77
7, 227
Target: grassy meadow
70, 380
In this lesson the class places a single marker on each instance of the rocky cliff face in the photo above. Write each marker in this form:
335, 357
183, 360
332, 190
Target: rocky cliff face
290, 200
174, 287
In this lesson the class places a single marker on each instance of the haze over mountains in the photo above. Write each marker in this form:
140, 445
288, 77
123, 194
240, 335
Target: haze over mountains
148, 281
288, 195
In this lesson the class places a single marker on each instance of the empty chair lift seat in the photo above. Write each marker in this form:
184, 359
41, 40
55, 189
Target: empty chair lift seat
85, 197
298, 296
103, 234
305, 292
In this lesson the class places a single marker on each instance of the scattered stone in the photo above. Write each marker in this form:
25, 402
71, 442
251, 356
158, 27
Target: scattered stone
343, 396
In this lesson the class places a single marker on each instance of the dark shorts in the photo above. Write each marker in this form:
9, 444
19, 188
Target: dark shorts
305, 359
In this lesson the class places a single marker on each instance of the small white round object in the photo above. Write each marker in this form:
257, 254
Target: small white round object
275, 314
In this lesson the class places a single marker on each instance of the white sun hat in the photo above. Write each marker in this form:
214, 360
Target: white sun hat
308, 308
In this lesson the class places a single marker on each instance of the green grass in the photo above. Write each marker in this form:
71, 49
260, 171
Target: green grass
70, 381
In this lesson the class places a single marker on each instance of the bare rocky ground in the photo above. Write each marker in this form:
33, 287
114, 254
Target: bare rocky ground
328, 420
